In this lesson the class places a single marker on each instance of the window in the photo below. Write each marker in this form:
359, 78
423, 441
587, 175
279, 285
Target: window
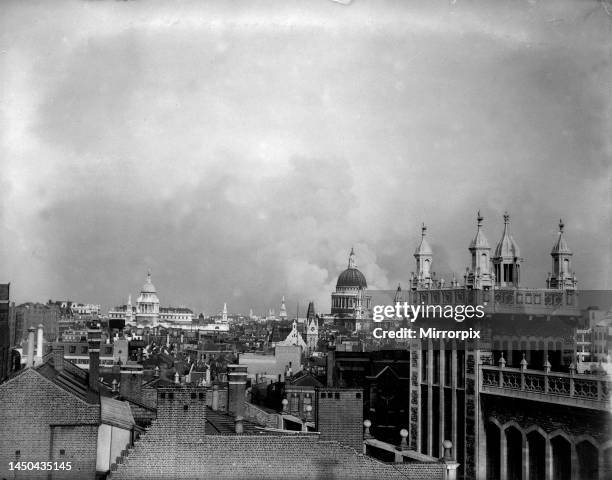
17, 453
358, 395
83, 349
72, 349
193, 395
62, 452
162, 395
201, 395
337, 396
322, 394
185, 407
171, 396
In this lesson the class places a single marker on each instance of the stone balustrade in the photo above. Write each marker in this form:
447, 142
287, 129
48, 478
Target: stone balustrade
587, 391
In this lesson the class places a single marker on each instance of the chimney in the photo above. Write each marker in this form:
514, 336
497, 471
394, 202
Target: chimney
93, 339
331, 363
215, 398
39, 344
58, 357
236, 388
31, 331
130, 384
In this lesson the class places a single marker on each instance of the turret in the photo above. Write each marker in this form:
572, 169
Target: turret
478, 275
424, 257
507, 258
562, 276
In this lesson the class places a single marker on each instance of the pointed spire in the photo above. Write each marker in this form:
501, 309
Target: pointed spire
351, 262
560, 245
479, 241
506, 246
423, 248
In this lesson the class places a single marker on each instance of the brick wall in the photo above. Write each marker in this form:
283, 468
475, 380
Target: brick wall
182, 410
339, 415
38, 418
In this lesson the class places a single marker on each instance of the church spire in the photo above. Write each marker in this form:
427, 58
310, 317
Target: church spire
351, 261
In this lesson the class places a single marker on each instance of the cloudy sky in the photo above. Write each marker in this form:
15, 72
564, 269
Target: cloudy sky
239, 149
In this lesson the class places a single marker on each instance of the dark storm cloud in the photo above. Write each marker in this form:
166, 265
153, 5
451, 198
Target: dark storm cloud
240, 152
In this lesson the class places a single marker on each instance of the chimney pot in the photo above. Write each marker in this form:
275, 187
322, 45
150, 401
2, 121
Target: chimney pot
31, 332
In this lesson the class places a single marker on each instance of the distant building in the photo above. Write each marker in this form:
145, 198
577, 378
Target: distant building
147, 311
266, 366
33, 314
282, 314
350, 302
312, 330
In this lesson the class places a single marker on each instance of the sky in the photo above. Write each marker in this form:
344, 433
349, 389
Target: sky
239, 149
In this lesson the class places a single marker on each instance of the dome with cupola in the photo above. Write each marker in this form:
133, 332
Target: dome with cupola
352, 277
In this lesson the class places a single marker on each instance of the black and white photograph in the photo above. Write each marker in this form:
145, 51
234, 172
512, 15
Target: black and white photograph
306, 239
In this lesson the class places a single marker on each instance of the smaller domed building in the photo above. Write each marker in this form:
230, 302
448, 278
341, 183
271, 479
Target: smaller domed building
350, 300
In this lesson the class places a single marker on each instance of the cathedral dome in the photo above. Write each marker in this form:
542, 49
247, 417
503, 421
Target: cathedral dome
352, 277
148, 287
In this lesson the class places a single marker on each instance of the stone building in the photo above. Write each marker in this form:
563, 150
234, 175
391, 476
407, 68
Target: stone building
512, 402
350, 302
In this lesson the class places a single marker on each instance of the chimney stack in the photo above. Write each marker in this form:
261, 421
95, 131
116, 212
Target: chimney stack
236, 388
31, 340
39, 344
58, 357
215, 398
93, 338
130, 385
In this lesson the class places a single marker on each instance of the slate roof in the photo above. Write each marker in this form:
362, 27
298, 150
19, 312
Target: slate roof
72, 379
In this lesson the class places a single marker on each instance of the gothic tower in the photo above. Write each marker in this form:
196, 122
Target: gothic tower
479, 274
312, 329
424, 257
562, 276
507, 259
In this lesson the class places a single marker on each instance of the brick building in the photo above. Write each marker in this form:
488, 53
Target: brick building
53, 412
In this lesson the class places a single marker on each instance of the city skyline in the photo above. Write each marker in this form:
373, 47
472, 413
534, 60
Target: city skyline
239, 153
